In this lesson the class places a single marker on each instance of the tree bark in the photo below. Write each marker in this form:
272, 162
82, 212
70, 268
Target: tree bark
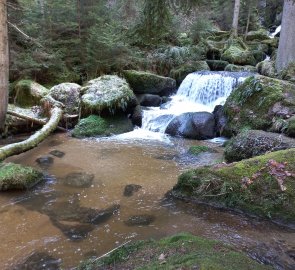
35, 139
236, 17
286, 51
4, 63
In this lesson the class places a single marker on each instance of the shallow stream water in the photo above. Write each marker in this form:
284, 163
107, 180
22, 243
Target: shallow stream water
57, 224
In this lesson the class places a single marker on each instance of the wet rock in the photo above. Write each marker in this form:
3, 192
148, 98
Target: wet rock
149, 100
45, 161
136, 116
79, 180
130, 189
140, 220
39, 261
220, 119
57, 153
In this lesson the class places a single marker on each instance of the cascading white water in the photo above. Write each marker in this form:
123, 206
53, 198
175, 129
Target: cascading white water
278, 29
200, 91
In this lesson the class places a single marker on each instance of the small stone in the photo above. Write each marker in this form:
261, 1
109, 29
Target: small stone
130, 189
140, 220
57, 153
79, 180
45, 161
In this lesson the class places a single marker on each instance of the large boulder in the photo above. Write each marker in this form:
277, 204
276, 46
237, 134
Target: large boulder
181, 72
237, 53
267, 68
237, 68
149, 100
198, 125
102, 126
27, 93
108, 93
147, 83
289, 73
253, 143
18, 177
263, 186
258, 35
69, 95
259, 103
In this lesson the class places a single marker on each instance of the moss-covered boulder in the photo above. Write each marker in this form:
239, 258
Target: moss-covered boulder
267, 68
251, 143
259, 35
108, 93
264, 186
181, 251
237, 68
258, 103
18, 177
68, 94
217, 65
290, 128
181, 72
237, 53
27, 93
94, 125
148, 83
289, 73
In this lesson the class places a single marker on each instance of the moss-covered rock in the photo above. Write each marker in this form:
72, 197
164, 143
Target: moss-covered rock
217, 65
181, 72
258, 103
251, 143
237, 53
264, 186
181, 251
198, 149
18, 177
108, 93
259, 35
69, 95
102, 126
148, 83
236, 68
27, 93
267, 68
289, 73
290, 131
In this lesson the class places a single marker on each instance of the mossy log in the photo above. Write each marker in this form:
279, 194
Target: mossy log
35, 139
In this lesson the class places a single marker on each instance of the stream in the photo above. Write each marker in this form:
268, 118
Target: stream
100, 193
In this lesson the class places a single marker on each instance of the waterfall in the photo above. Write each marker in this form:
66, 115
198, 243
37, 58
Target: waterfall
200, 91
278, 29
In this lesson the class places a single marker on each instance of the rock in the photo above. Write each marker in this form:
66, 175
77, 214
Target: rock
147, 83
263, 186
181, 72
18, 177
45, 161
290, 131
140, 220
258, 103
198, 125
95, 125
254, 45
108, 93
130, 189
217, 65
220, 119
57, 153
198, 149
253, 143
149, 100
69, 95
79, 180
237, 68
289, 73
259, 35
39, 261
136, 116
267, 68
28, 93
237, 53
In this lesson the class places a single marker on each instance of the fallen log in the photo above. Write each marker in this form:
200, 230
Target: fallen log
32, 119
35, 139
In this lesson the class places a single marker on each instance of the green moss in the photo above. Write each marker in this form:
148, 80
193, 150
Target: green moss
217, 65
198, 149
181, 251
260, 34
237, 68
291, 127
18, 177
251, 185
102, 126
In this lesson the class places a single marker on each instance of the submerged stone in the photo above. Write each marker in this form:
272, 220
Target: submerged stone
57, 153
79, 180
18, 177
140, 220
129, 190
45, 161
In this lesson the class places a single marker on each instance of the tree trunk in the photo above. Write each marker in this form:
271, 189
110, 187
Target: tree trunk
286, 51
4, 63
236, 18
35, 139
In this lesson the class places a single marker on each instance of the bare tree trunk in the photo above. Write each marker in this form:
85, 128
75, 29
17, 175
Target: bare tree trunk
236, 17
286, 51
4, 63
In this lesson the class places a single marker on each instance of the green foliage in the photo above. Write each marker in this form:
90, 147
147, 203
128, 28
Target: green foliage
201, 28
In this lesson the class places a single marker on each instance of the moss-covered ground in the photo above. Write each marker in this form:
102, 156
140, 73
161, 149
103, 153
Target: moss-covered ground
263, 186
198, 149
182, 251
